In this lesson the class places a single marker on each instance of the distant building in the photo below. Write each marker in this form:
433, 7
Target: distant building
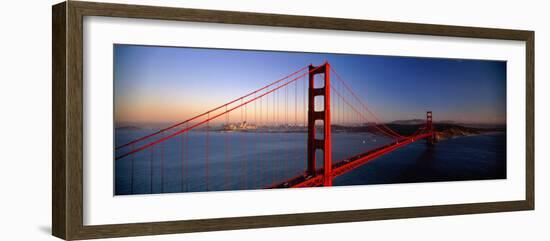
244, 126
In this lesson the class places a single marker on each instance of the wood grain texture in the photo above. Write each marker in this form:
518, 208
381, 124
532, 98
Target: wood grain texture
74, 121
67, 198
279, 20
530, 120
59, 193
121, 230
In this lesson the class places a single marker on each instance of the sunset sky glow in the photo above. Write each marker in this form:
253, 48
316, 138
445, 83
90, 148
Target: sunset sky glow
167, 84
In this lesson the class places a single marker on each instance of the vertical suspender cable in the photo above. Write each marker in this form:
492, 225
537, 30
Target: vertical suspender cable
151, 169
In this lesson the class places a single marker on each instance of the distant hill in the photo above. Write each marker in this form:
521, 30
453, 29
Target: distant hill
447, 122
444, 130
127, 128
409, 122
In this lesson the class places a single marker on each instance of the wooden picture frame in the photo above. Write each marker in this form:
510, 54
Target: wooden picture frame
67, 124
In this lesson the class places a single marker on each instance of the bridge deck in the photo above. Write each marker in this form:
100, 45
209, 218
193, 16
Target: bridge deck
343, 166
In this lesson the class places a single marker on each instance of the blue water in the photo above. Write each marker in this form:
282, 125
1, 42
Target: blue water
201, 161
477, 157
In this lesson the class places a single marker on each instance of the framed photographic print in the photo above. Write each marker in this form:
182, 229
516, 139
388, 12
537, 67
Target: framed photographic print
171, 120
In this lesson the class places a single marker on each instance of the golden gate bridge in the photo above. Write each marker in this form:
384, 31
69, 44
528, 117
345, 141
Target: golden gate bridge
324, 105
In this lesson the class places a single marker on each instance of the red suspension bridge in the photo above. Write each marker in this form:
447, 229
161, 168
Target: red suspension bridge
298, 112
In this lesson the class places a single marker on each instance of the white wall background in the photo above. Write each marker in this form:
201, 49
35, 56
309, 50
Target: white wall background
25, 120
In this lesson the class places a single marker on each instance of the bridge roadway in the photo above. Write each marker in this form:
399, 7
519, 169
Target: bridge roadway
343, 166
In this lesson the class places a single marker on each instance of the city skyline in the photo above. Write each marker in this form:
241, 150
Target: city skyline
156, 85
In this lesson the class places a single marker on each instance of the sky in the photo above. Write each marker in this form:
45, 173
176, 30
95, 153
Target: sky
154, 84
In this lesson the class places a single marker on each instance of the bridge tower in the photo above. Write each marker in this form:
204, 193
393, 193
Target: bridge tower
314, 144
429, 127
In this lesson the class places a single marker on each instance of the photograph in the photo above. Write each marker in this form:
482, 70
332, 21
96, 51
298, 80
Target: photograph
190, 119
